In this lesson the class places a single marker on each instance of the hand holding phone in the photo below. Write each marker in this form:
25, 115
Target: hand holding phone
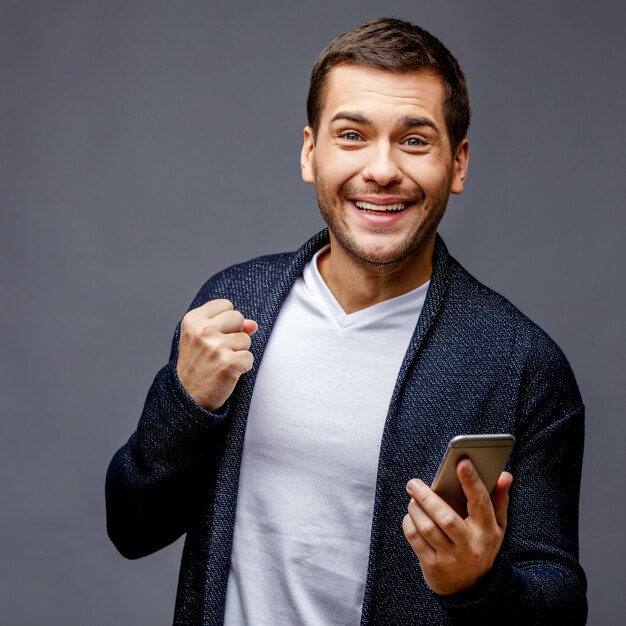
455, 553
489, 454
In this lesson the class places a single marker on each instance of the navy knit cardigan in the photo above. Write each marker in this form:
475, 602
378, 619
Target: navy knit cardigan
474, 364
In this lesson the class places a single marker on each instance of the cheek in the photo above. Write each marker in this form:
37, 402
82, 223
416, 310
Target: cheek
339, 166
433, 178
352, 162
331, 181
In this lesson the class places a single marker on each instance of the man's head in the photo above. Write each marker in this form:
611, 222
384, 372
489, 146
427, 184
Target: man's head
395, 46
385, 145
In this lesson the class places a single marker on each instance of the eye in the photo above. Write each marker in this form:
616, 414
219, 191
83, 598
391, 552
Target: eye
350, 135
414, 142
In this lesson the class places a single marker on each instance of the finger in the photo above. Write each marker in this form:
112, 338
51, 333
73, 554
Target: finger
242, 360
214, 307
427, 527
226, 322
195, 320
450, 524
421, 548
237, 341
500, 498
479, 506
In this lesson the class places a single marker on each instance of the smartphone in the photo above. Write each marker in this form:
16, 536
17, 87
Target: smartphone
489, 454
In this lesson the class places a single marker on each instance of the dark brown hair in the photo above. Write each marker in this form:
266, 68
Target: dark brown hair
396, 46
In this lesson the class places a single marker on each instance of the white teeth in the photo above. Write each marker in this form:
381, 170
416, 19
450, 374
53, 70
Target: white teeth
398, 206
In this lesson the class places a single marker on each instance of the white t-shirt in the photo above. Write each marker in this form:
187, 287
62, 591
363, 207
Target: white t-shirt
310, 457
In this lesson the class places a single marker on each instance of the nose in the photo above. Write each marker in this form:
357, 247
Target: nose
381, 166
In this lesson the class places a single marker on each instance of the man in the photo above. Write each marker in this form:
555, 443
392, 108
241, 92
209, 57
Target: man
307, 394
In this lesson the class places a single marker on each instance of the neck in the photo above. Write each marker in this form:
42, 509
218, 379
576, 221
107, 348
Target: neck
357, 284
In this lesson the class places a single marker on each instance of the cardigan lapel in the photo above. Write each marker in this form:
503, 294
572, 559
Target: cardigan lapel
432, 305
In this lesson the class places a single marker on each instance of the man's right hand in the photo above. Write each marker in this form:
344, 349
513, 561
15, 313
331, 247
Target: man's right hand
214, 351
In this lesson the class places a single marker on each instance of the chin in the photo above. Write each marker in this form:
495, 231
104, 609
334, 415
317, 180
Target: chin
390, 256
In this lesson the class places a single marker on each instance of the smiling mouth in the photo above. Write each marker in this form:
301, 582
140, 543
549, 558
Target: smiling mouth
396, 207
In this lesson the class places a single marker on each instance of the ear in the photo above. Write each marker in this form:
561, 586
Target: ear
306, 157
461, 161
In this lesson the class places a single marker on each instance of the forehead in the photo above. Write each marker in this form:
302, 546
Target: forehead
390, 94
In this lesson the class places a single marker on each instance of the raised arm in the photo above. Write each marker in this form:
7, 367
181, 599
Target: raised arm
152, 484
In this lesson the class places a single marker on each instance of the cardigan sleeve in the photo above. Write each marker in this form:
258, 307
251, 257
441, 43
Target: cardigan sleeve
537, 579
157, 483
151, 481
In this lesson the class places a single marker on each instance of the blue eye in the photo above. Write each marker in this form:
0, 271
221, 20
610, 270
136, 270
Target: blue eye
351, 136
415, 142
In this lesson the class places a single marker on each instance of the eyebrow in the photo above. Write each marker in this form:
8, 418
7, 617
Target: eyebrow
403, 123
357, 118
411, 122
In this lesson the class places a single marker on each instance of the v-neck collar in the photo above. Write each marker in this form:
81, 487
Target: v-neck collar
316, 285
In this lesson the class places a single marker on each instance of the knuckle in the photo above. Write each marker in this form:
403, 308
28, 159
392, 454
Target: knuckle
474, 555
245, 362
203, 332
227, 358
448, 520
221, 359
218, 363
492, 537
187, 323
428, 529
213, 348
213, 308
240, 362
220, 304
230, 321
209, 329
482, 500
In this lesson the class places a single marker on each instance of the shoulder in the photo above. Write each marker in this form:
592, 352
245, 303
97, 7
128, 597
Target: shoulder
508, 340
483, 310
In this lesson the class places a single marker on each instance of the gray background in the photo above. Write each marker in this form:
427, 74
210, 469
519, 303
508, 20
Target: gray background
145, 145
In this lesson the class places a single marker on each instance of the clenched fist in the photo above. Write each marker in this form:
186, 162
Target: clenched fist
214, 352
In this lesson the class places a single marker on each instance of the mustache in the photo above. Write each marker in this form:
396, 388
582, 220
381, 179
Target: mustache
412, 194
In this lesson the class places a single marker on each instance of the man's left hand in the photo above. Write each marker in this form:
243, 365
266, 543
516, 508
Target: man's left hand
455, 553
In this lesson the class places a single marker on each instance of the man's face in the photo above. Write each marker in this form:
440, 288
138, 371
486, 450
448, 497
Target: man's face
382, 163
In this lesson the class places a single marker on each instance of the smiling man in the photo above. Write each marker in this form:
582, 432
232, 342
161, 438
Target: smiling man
310, 396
